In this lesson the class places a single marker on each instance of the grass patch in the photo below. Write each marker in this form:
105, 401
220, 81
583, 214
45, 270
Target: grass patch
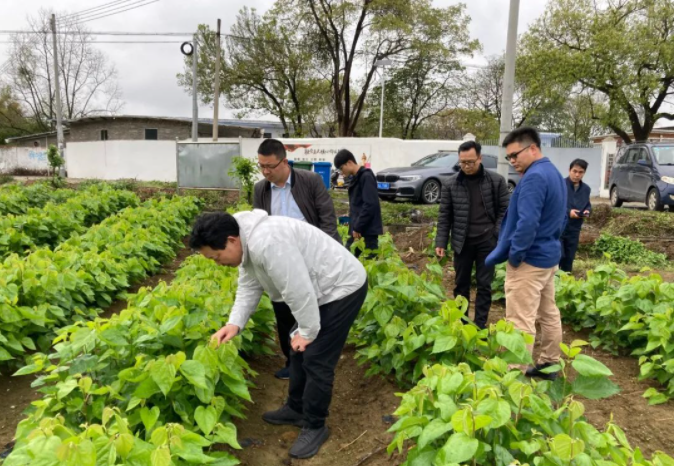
630, 222
4, 179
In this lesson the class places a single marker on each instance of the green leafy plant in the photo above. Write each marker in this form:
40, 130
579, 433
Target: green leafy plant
244, 170
632, 313
152, 369
55, 222
17, 199
48, 289
625, 250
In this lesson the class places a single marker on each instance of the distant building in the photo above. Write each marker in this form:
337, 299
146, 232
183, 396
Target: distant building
133, 127
663, 134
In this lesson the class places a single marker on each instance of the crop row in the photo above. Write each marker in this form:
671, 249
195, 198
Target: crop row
48, 289
145, 387
466, 405
55, 222
621, 312
18, 199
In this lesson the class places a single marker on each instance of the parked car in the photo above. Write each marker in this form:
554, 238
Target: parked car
644, 173
423, 180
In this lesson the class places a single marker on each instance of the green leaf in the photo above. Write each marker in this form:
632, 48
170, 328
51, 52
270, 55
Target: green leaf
124, 444
590, 367
161, 457
194, 372
565, 447
432, 431
64, 388
226, 433
163, 375
594, 388
206, 418
514, 343
654, 397
149, 417
459, 448
444, 343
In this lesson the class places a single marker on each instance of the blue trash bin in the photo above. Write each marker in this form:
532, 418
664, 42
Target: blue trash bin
323, 169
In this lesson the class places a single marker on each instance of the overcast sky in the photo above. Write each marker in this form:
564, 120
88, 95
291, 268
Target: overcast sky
147, 72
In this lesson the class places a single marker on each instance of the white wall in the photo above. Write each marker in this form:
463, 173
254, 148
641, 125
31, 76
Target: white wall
380, 153
113, 160
12, 158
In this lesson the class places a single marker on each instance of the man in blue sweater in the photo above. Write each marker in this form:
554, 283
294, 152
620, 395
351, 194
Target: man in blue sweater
529, 241
578, 207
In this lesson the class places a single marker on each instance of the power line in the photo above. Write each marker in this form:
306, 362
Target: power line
100, 7
102, 33
78, 19
118, 42
122, 11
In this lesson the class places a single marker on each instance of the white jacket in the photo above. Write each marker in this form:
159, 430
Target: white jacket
295, 263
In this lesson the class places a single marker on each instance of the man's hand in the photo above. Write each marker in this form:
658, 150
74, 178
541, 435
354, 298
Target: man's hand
440, 252
574, 213
356, 235
299, 343
226, 333
586, 213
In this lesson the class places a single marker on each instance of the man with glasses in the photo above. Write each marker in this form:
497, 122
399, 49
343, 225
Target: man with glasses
364, 209
529, 241
472, 206
298, 194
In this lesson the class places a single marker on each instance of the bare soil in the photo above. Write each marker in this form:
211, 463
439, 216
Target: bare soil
17, 393
360, 414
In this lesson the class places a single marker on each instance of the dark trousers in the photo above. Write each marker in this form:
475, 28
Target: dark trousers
285, 321
463, 265
371, 243
569, 240
312, 372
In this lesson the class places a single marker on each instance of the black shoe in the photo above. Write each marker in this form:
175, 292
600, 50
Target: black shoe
285, 416
309, 442
283, 374
536, 371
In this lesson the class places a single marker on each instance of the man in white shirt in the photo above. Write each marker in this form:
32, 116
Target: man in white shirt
286, 258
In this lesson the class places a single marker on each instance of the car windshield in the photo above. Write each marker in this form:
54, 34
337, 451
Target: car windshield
664, 154
442, 159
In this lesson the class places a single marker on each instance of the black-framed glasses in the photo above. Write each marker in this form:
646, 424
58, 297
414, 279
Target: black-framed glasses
268, 167
513, 156
467, 163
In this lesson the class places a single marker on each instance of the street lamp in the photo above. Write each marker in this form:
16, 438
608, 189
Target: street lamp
382, 64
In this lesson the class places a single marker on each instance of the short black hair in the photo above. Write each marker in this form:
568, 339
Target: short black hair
524, 136
212, 230
342, 157
580, 162
272, 147
468, 145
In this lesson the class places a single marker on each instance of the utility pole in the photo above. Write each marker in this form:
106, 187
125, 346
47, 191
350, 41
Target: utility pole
195, 103
216, 99
508, 86
57, 94
382, 64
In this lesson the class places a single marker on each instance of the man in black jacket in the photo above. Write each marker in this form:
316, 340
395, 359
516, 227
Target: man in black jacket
472, 206
364, 209
298, 194
578, 207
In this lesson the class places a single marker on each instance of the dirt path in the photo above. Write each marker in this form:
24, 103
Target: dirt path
359, 417
17, 393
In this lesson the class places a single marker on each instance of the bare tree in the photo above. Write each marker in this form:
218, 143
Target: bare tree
88, 82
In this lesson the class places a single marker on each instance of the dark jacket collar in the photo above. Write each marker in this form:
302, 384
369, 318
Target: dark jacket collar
570, 183
462, 176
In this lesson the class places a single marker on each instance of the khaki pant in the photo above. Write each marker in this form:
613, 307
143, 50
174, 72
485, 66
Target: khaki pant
530, 297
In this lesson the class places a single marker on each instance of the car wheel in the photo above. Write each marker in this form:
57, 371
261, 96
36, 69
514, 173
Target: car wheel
615, 199
653, 200
430, 192
511, 187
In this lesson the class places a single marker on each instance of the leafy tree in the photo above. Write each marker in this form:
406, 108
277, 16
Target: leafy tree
88, 82
454, 123
244, 170
620, 50
263, 70
13, 122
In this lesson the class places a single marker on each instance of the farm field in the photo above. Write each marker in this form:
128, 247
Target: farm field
117, 363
